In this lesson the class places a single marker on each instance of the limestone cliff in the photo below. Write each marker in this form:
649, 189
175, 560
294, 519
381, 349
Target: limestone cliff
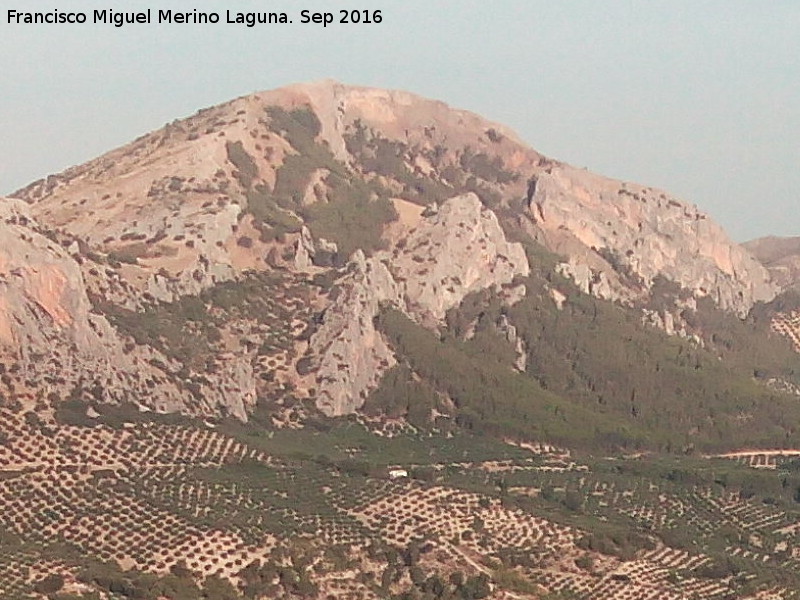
54, 340
455, 251
179, 201
44, 299
617, 237
349, 354
51, 339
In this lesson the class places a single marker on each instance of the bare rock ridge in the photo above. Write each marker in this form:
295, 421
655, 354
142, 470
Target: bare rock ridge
173, 191
641, 232
459, 249
173, 200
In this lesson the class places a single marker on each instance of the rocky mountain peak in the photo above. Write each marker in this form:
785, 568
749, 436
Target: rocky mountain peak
396, 198
456, 250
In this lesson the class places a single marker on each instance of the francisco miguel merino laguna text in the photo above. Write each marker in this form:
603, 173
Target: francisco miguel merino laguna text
193, 17
120, 18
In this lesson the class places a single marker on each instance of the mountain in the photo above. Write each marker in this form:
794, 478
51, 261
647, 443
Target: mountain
252, 161
331, 341
289, 184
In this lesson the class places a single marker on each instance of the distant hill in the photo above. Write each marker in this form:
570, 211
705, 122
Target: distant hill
781, 256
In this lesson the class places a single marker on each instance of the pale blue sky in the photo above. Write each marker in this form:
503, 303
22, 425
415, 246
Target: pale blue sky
699, 97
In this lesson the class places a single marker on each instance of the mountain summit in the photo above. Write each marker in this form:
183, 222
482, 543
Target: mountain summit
420, 150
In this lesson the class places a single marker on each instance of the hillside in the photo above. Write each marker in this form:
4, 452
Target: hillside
781, 256
240, 256
223, 338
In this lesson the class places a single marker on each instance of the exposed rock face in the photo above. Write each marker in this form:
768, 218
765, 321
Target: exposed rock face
458, 250
52, 340
44, 297
595, 280
47, 329
641, 233
174, 199
351, 355
304, 251
510, 332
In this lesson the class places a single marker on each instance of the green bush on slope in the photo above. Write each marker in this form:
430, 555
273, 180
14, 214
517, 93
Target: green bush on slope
493, 400
354, 212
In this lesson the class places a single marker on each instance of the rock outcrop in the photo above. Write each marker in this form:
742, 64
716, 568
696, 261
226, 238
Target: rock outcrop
349, 353
175, 201
618, 237
459, 249
53, 340
44, 299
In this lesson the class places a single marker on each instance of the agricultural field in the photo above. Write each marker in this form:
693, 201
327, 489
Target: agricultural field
132, 504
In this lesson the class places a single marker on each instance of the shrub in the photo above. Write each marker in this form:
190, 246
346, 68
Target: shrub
50, 584
246, 167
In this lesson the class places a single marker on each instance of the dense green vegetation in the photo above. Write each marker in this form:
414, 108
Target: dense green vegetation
390, 159
352, 213
382, 157
247, 170
432, 586
268, 217
747, 346
493, 400
400, 395
595, 377
180, 330
330, 442
351, 218
682, 394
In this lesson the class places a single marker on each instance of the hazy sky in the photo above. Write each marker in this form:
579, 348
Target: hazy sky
701, 98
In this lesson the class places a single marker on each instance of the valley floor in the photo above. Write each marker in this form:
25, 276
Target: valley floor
169, 508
